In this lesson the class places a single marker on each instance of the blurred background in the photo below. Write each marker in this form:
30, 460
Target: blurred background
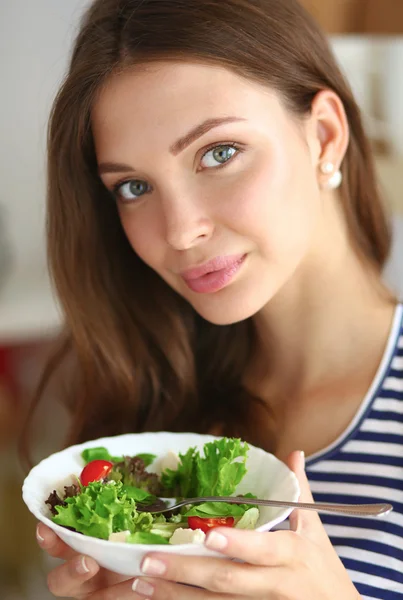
35, 39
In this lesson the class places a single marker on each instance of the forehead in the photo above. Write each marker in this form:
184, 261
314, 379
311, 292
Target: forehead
168, 97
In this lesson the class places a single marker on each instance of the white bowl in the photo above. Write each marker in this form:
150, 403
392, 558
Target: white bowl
266, 477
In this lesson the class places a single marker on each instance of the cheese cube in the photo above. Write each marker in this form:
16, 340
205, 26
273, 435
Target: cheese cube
187, 536
120, 536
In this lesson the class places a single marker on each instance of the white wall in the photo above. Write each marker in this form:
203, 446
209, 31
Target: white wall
35, 38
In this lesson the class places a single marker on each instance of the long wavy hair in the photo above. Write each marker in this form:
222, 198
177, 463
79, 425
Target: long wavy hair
143, 359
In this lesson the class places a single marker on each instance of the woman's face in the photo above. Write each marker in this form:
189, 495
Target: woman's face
216, 184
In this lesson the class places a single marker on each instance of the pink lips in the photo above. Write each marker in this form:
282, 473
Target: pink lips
213, 275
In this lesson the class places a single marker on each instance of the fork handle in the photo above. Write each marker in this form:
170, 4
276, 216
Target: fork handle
358, 510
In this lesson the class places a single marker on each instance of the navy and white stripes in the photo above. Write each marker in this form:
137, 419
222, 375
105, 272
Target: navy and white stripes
366, 465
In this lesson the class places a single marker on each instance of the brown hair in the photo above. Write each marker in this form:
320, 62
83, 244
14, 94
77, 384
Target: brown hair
144, 359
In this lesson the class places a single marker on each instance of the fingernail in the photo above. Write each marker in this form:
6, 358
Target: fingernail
152, 566
302, 453
40, 538
81, 566
143, 587
216, 541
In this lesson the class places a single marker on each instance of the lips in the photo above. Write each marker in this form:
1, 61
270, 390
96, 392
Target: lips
214, 274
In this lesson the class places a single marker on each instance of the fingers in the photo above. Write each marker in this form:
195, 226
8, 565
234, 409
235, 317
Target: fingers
70, 579
215, 575
266, 549
79, 575
158, 589
304, 522
52, 544
142, 589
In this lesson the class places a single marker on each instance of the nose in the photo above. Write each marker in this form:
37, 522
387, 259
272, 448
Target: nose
187, 224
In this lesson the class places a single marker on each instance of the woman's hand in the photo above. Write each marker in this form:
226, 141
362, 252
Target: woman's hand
80, 576
300, 564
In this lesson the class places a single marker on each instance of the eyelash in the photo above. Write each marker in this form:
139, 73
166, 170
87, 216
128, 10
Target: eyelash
235, 145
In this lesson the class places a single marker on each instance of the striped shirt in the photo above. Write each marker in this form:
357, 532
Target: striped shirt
366, 465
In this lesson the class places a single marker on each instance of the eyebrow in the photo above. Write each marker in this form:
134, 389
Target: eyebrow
200, 130
111, 167
177, 147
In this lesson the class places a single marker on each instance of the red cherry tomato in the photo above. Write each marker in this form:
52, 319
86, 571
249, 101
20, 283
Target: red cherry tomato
95, 471
208, 523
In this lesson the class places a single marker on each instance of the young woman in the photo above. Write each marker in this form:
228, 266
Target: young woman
216, 239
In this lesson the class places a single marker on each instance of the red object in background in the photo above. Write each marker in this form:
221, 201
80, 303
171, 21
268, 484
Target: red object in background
6, 370
9, 405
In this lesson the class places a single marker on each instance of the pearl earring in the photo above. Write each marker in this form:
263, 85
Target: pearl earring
335, 180
327, 168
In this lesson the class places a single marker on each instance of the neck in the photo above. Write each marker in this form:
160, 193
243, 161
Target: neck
333, 317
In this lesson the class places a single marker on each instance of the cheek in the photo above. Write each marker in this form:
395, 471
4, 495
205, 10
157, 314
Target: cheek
142, 231
277, 207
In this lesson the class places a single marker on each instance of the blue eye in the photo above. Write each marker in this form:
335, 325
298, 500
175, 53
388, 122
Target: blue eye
131, 190
219, 155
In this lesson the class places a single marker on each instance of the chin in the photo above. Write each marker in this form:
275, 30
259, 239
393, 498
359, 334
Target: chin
227, 310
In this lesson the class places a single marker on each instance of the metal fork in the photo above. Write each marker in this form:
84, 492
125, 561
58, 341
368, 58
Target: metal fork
357, 510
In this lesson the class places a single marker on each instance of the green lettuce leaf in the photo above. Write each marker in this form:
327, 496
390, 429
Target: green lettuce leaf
216, 473
166, 529
249, 519
102, 509
101, 453
143, 537
210, 510
183, 481
138, 494
98, 453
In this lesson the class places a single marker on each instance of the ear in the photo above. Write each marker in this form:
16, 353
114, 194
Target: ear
328, 130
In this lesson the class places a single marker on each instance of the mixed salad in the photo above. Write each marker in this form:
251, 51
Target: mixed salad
105, 500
